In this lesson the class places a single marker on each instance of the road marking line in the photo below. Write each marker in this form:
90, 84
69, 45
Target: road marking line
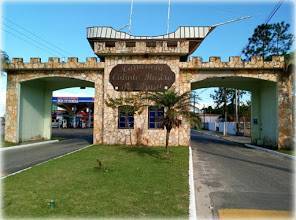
27, 168
28, 145
192, 205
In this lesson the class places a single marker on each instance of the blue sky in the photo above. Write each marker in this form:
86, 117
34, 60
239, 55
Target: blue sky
64, 25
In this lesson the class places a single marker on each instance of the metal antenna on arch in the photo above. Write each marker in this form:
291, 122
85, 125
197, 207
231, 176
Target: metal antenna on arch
129, 25
130, 17
168, 20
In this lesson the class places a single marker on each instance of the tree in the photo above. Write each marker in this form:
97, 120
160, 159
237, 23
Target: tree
175, 107
268, 40
4, 57
222, 97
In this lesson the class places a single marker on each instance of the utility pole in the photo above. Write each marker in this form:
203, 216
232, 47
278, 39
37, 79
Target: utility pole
225, 111
236, 111
193, 102
204, 113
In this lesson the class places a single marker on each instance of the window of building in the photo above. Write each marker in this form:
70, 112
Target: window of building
155, 116
130, 44
110, 43
172, 43
151, 44
125, 117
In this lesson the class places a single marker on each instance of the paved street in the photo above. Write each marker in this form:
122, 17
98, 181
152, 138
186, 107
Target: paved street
18, 159
229, 176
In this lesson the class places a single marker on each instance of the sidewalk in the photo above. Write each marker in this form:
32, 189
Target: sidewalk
237, 139
246, 141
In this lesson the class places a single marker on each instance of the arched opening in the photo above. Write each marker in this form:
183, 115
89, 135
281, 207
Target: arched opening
264, 103
35, 105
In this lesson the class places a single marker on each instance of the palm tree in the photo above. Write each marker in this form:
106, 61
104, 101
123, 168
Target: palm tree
175, 107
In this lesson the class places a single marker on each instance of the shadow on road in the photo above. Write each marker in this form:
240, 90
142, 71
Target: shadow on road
73, 133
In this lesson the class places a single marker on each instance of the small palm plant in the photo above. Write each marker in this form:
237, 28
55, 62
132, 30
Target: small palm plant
176, 106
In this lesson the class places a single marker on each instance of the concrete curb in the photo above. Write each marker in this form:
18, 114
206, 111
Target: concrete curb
270, 151
28, 145
192, 205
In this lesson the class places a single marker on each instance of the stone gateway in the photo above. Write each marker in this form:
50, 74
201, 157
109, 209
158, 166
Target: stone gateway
135, 63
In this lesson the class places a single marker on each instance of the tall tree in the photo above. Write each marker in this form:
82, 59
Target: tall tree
222, 97
268, 40
225, 98
176, 106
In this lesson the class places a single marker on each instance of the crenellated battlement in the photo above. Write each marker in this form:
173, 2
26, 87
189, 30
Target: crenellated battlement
234, 62
53, 63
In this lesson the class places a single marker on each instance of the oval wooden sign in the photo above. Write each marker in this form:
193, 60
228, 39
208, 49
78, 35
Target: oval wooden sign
142, 77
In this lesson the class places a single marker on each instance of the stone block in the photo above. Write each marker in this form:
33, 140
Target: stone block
53, 59
17, 60
278, 58
35, 60
256, 59
235, 59
73, 59
215, 59
91, 59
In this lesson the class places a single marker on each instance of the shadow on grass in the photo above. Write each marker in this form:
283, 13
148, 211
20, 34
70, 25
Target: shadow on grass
158, 153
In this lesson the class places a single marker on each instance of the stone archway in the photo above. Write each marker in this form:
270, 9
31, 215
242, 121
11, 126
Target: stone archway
35, 105
29, 102
264, 110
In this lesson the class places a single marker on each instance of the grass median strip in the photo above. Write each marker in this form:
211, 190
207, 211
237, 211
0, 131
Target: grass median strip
103, 181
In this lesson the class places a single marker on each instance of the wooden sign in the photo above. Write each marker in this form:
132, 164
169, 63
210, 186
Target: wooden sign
142, 77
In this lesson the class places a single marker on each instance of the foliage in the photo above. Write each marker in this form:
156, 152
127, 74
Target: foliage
176, 106
4, 57
130, 103
225, 97
228, 104
268, 40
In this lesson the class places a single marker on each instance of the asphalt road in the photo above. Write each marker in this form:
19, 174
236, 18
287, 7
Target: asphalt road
230, 176
18, 159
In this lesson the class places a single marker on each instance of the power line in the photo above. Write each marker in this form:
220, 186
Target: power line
33, 40
274, 10
36, 36
271, 14
23, 39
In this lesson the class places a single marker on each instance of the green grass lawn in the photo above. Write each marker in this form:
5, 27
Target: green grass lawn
6, 144
133, 182
290, 152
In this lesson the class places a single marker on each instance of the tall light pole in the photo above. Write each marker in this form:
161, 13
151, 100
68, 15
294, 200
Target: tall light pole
225, 111
236, 111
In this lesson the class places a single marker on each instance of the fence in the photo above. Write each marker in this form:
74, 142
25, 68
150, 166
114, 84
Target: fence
244, 128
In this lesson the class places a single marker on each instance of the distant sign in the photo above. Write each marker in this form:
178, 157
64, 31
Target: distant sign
72, 99
67, 99
141, 77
